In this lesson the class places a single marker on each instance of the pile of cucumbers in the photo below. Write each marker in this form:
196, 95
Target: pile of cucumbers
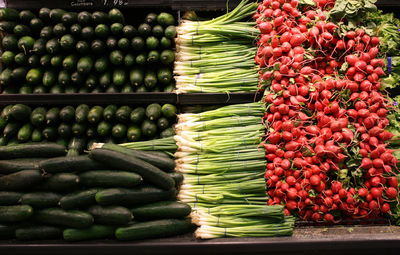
111, 193
81, 126
58, 51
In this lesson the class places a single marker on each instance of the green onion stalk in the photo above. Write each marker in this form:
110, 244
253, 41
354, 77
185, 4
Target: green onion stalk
218, 55
222, 179
232, 121
163, 144
243, 155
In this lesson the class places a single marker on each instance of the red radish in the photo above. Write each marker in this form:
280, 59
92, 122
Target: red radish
391, 192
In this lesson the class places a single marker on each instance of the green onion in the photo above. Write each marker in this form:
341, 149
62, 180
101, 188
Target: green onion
222, 179
232, 121
164, 144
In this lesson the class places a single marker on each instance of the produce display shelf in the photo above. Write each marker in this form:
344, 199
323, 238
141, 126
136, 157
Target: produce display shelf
305, 240
174, 4
130, 98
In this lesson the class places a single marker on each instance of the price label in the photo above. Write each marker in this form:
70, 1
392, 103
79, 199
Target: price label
115, 2
81, 3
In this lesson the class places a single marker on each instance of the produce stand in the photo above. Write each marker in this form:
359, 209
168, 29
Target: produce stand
355, 239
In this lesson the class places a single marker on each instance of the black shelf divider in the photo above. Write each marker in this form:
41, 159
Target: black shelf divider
217, 98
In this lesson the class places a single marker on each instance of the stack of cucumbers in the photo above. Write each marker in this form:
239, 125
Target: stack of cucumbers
57, 51
81, 126
111, 193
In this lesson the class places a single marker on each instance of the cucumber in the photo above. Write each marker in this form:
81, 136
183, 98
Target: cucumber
67, 114
121, 161
46, 32
167, 132
9, 14
62, 182
110, 215
149, 128
36, 24
82, 47
76, 146
25, 44
26, 15
84, 65
10, 197
79, 199
109, 112
3, 141
3, 123
112, 43
167, 57
129, 31
151, 18
49, 78
56, 61
161, 210
154, 229
91, 81
25, 132
37, 232
52, 116
62, 141
115, 16
102, 31
153, 111
152, 42
162, 162
163, 123
110, 179
100, 17
69, 18
165, 19
56, 15
158, 31
85, 18
104, 128
101, 65
18, 74
64, 130
32, 150
44, 14
88, 33
45, 60
127, 88
10, 130
5, 78
144, 30
76, 30
94, 232
137, 43
50, 133
7, 58
10, 42
133, 133
69, 62
177, 176
129, 60
40, 199
60, 217
25, 89
34, 76
21, 59
69, 164
153, 57
150, 79
59, 30
67, 42
81, 113
170, 32
36, 135
119, 77
124, 44
116, 57
119, 131
79, 129
7, 26
15, 213
95, 114
98, 47
91, 132
77, 79
20, 112
140, 195
123, 114
53, 46
136, 76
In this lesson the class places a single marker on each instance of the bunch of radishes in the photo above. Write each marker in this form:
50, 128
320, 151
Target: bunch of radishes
326, 119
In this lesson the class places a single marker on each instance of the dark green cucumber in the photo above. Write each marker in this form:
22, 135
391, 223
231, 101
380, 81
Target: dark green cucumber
116, 15
123, 114
119, 77
101, 64
32, 150
25, 132
39, 47
46, 32
67, 114
79, 199
7, 58
7, 26
45, 60
81, 113
67, 42
76, 146
53, 46
162, 123
36, 25
84, 65
44, 14
104, 128
91, 132
110, 215
10, 130
163, 163
76, 30
129, 60
161, 210
178, 178
10, 197
144, 30
7, 231
124, 44
112, 43
122, 161
153, 111
91, 81
94, 232
69, 18
69, 62
165, 19
167, 57
158, 31
154, 229
62, 182
15, 213
77, 80
116, 57
36, 135
52, 116
95, 114
56, 15
149, 128
79, 129
88, 33
41, 199
137, 43
152, 43
109, 112
5, 78
64, 130
56, 61
21, 59
20, 112
110, 179
25, 89
143, 194
167, 133
151, 19
60, 217
10, 42
50, 133
37, 232
119, 131
152, 58
25, 44
20, 180
98, 47
137, 115
19, 74
59, 30
70, 164
100, 17
26, 15
85, 18
133, 133
49, 78
136, 76
82, 47
129, 31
